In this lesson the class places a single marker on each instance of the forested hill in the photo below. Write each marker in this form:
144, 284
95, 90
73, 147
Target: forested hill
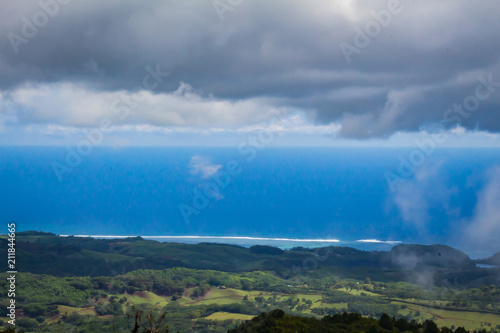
277, 321
45, 253
493, 260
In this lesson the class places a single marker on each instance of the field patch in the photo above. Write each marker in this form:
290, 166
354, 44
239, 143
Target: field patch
468, 319
358, 292
220, 297
146, 297
336, 306
69, 310
227, 315
216, 296
89, 311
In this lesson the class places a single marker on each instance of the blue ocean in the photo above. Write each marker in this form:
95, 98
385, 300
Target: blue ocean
287, 194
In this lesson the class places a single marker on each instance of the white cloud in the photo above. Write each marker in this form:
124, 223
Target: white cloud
72, 104
61, 109
376, 241
483, 229
203, 167
429, 188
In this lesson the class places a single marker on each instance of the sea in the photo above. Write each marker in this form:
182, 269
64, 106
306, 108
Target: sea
368, 198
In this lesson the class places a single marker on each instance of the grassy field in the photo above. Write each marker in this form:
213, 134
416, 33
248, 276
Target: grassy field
312, 298
68, 310
468, 319
357, 292
214, 296
337, 306
83, 311
219, 296
227, 315
146, 297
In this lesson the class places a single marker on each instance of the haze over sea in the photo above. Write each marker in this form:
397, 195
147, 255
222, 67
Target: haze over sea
291, 194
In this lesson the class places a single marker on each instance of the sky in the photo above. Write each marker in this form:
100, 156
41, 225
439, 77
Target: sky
211, 72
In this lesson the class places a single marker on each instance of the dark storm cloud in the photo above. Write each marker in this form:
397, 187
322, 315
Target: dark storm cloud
427, 57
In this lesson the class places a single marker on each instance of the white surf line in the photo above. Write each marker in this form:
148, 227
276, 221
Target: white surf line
378, 241
215, 237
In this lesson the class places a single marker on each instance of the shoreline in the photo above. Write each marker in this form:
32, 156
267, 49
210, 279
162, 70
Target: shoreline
244, 238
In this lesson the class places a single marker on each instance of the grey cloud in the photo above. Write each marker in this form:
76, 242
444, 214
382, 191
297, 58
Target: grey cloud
424, 61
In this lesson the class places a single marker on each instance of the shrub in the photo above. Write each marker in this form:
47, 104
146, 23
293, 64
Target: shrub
386, 322
27, 323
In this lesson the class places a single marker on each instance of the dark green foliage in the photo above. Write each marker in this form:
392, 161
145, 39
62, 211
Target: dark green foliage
200, 291
277, 321
281, 276
264, 249
148, 323
386, 322
430, 327
34, 310
27, 323
402, 325
430, 255
11, 330
112, 308
76, 256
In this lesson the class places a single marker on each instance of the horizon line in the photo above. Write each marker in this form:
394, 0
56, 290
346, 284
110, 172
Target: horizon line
376, 241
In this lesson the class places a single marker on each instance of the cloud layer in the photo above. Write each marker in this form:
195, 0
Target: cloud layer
284, 54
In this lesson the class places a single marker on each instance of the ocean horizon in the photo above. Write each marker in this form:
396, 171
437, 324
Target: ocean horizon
334, 194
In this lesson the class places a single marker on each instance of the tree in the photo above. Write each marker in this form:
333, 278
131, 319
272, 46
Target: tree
152, 325
10, 330
430, 327
386, 322
461, 330
27, 323
402, 324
